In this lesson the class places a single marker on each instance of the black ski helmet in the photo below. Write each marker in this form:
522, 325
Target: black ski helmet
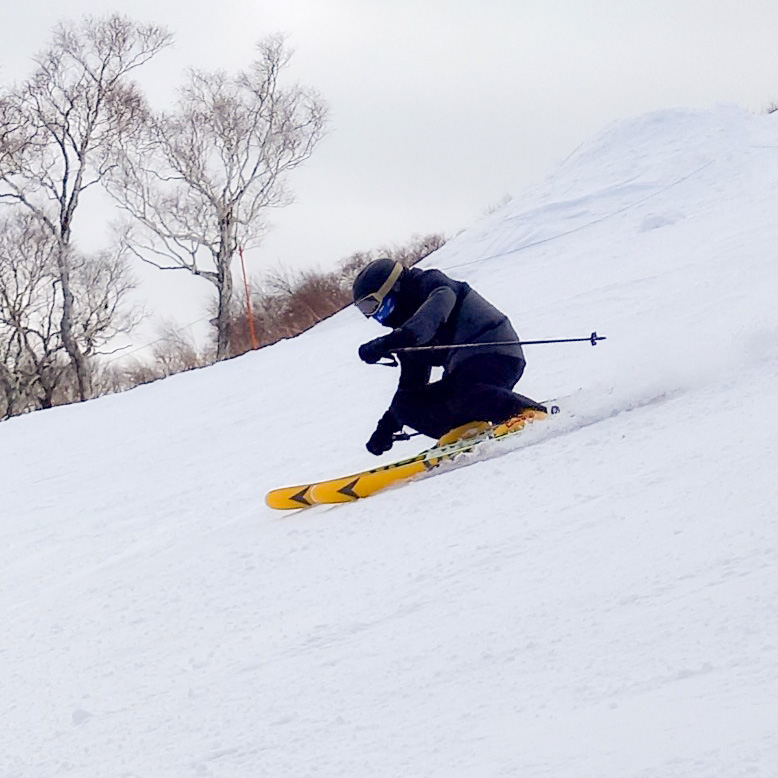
374, 283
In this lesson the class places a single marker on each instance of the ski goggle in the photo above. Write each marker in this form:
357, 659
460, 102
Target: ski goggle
369, 304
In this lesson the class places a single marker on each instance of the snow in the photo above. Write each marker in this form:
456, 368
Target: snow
600, 601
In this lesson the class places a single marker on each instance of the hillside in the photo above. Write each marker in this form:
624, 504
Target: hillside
598, 603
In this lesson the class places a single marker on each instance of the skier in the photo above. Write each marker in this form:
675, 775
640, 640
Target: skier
426, 307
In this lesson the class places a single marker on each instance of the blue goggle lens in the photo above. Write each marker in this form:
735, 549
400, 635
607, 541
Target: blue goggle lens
385, 309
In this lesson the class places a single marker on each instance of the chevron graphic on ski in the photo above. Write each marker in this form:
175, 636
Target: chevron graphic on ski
348, 490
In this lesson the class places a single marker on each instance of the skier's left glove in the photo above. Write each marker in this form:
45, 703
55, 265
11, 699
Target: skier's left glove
372, 351
383, 438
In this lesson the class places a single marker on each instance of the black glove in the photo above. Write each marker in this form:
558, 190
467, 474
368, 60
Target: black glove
383, 437
373, 350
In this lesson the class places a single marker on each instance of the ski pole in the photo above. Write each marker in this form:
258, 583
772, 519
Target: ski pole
392, 362
404, 435
593, 338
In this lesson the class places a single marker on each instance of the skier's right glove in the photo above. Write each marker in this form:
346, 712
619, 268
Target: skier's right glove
383, 438
372, 351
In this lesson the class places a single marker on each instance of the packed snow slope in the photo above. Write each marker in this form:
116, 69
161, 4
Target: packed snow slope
599, 602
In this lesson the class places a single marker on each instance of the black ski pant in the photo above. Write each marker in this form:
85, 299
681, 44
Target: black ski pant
479, 389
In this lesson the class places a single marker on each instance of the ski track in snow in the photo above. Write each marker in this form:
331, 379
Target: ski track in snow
595, 598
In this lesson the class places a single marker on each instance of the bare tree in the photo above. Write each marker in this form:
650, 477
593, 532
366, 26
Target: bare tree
60, 129
199, 179
175, 351
29, 337
14, 135
35, 371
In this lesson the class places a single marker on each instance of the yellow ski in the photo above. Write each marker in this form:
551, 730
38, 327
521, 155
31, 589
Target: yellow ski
363, 484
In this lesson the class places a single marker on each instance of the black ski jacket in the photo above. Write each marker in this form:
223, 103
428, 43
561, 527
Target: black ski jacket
433, 309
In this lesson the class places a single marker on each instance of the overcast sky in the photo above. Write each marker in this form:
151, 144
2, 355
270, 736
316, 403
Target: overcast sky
439, 108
